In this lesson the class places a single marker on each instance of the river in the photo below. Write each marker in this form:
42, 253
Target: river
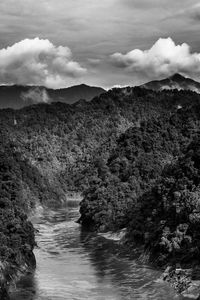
77, 265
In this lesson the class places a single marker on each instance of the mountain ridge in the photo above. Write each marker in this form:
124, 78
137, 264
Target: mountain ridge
113, 149
176, 81
18, 96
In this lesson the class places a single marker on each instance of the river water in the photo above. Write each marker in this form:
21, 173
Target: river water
77, 265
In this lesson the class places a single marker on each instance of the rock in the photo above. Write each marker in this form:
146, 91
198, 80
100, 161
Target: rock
193, 291
114, 236
179, 278
166, 274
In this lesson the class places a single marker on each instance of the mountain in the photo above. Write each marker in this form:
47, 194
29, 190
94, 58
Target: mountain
75, 93
62, 140
17, 96
176, 81
114, 149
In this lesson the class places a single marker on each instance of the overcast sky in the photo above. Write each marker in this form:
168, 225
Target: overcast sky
64, 42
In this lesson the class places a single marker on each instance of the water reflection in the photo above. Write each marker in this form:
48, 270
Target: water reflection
74, 264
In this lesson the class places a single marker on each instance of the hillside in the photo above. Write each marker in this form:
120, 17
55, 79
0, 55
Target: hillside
73, 94
17, 96
61, 141
16, 232
176, 81
135, 166
149, 185
114, 149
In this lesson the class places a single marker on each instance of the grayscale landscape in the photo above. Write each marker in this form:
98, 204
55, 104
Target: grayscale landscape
99, 150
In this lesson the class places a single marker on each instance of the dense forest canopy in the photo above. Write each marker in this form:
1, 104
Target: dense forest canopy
133, 153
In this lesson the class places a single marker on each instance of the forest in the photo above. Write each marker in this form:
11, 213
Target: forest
133, 153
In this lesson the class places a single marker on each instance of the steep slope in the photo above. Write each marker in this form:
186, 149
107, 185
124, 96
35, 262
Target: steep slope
55, 148
62, 141
19, 96
16, 232
167, 221
150, 185
73, 94
134, 167
176, 81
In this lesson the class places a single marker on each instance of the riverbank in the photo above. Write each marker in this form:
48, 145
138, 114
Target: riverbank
184, 281
17, 239
10, 274
182, 284
78, 264
154, 195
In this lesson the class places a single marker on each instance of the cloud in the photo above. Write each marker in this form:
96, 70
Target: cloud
101, 28
144, 4
36, 95
94, 61
152, 4
193, 12
165, 58
38, 62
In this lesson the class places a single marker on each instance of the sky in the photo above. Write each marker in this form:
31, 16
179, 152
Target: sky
59, 43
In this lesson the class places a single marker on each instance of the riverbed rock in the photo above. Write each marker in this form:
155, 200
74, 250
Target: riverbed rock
193, 291
181, 280
115, 236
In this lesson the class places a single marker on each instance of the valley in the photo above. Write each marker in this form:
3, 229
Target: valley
133, 153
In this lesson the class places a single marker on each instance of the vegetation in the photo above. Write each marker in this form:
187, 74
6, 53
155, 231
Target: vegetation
128, 151
170, 212
16, 232
150, 184
135, 166
63, 141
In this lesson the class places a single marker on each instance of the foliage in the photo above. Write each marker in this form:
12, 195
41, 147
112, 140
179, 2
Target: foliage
114, 148
134, 167
16, 232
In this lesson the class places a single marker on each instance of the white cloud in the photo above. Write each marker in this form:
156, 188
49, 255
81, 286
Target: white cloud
36, 95
164, 59
38, 62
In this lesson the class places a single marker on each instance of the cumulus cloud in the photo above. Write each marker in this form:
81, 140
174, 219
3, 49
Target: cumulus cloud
38, 62
163, 59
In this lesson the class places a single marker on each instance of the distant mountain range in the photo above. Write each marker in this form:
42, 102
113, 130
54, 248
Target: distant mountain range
17, 96
176, 81
133, 152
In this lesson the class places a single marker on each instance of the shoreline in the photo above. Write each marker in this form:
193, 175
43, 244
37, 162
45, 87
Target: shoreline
11, 274
180, 279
